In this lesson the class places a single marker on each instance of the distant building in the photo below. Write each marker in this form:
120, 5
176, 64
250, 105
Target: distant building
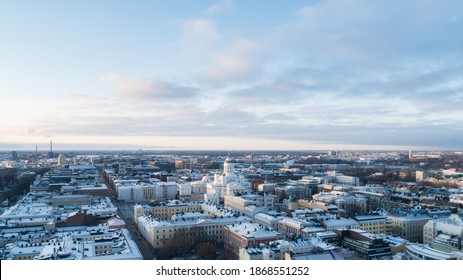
351, 204
338, 223
147, 192
444, 234
58, 200
165, 211
268, 220
456, 198
239, 203
247, 234
62, 160
424, 252
267, 187
349, 180
420, 175
409, 225
376, 224
180, 164
189, 231
277, 250
226, 183
295, 227
74, 243
311, 204
297, 192
366, 245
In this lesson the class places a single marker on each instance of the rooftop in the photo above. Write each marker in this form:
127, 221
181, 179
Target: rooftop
253, 230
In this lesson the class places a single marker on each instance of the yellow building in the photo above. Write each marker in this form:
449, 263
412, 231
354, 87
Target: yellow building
188, 232
376, 224
409, 226
165, 211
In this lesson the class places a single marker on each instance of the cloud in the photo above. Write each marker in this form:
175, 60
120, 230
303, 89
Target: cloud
340, 72
219, 7
29, 130
319, 123
145, 90
238, 62
197, 35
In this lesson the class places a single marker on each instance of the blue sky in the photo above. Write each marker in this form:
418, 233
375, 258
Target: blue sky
231, 74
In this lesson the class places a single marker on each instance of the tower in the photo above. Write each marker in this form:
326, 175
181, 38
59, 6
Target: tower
229, 166
50, 154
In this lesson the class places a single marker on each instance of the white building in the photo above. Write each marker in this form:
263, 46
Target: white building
340, 223
444, 234
424, 252
276, 250
77, 243
147, 192
189, 231
239, 203
456, 198
268, 220
351, 204
227, 183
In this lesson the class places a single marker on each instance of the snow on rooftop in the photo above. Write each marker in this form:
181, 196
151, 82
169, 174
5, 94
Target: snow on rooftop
340, 222
66, 245
254, 230
425, 250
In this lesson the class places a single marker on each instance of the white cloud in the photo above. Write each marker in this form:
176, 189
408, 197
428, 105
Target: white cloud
358, 72
197, 35
147, 90
29, 130
219, 7
240, 61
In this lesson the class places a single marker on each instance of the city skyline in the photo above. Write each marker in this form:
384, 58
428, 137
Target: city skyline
231, 75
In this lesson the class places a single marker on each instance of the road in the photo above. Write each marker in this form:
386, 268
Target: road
125, 212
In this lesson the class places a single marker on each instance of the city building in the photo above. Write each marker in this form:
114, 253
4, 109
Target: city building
147, 192
366, 245
276, 250
165, 210
339, 223
268, 220
376, 224
247, 234
296, 227
424, 252
187, 231
420, 175
226, 183
75, 243
311, 204
238, 203
351, 204
444, 234
409, 225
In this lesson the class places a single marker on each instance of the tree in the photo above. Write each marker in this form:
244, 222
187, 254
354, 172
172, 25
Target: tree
206, 250
179, 245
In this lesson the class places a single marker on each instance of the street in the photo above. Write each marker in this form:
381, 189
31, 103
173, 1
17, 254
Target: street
125, 212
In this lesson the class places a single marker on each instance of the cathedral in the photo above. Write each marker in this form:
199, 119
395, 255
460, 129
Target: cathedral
225, 183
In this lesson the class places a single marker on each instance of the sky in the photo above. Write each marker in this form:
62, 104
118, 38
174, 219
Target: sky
231, 74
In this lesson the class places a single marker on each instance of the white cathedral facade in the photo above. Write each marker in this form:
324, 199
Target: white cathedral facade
225, 183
